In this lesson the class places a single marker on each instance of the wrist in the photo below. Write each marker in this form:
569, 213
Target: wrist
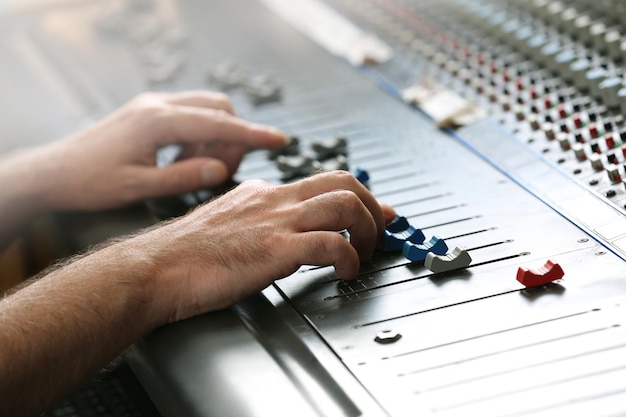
28, 181
133, 269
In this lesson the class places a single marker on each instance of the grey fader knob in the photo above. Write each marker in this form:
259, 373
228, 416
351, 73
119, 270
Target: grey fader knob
457, 259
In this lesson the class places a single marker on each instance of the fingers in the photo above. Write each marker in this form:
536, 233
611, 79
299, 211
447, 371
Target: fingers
327, 248
181, 177
339, 210
200, 98
200, 125
340, 180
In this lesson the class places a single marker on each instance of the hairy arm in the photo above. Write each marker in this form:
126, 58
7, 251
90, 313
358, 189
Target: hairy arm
71, 322
62, 328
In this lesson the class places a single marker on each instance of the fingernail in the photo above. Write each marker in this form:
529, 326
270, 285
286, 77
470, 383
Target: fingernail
212, 173
274, 131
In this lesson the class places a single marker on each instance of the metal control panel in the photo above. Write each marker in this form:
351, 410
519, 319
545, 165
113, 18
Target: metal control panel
529, 171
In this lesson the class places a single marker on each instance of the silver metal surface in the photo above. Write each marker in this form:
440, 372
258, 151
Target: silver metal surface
465, 342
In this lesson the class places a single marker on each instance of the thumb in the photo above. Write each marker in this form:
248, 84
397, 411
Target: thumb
185, 176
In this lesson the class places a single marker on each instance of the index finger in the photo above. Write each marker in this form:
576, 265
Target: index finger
199, 98
203, 125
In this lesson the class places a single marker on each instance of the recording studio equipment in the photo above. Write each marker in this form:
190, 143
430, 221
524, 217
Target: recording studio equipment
496, 128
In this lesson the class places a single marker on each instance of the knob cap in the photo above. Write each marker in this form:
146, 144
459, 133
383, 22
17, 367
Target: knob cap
609, 89
578, 70
594, 78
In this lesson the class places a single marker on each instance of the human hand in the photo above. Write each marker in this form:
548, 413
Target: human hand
239, 243
114, 162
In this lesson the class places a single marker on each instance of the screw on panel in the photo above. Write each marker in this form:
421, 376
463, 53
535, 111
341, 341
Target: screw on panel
387, 336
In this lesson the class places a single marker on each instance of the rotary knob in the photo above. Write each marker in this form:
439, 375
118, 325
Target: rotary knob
613, 41
581, 29
578, 69
548, 54
568, 16
534, 45
597, 32
594, 77
609, 89
563, 61
621, 97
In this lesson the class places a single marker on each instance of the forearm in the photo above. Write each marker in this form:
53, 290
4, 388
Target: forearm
62, 328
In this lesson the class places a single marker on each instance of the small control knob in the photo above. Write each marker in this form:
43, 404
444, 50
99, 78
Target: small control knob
613, 41
581, 29
548, 130
622, 48
568, 16
594, 78
534, 44
522, 36
613, 173
533, 119
609, 89
609, 140
621, 97
578, 70
547, 55
596, 162
509, 29
563, 62
553, 12
563, 140
597, 31
579, 152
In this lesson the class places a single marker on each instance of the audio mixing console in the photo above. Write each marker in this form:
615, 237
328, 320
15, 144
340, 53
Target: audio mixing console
495, 127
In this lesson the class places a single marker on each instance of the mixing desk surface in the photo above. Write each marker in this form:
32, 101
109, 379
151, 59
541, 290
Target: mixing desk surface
493, 128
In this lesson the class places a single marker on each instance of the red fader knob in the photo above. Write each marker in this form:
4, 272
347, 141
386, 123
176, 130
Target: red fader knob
551, 271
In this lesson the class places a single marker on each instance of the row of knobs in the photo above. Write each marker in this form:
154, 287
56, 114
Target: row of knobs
493, 71
567, 61
566, 17
593, 80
